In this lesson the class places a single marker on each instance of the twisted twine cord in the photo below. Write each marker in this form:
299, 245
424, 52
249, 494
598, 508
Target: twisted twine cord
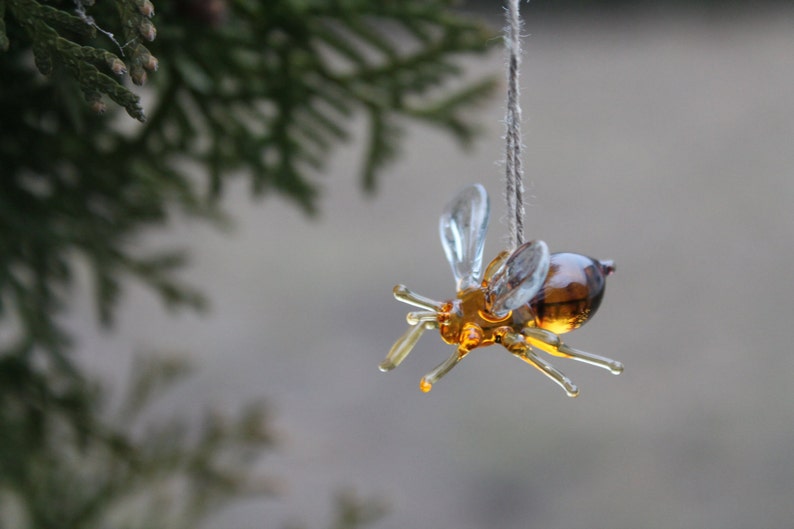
514, 171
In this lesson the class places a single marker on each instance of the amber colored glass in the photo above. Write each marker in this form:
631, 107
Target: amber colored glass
522, 300
571, 293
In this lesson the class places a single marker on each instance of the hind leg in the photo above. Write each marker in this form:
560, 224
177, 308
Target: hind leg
551, 343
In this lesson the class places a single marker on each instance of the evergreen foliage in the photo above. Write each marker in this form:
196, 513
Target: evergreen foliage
263, 88
243, 88
68, 462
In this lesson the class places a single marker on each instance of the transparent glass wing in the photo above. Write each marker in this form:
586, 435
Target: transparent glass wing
520, 277
463, 226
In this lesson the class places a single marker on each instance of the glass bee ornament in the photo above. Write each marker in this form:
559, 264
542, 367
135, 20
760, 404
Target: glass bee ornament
522, 300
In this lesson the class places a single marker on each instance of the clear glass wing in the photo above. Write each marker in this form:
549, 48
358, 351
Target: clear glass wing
519, 277
463, 226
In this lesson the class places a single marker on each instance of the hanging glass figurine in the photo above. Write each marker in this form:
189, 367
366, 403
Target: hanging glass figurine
522, 301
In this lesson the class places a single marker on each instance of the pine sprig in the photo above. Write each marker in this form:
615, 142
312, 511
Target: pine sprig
81, 196
57, 39
70, 461
275, 88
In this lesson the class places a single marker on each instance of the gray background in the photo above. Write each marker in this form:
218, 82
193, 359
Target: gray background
663, 142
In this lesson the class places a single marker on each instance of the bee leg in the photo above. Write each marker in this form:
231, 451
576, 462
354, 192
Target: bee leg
550, 371
401, 293
426, 384
470, 338
402, 347
549, 342
518, 346
428, 319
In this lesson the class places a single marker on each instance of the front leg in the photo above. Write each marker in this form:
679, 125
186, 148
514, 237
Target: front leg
426, 384
402, 347
401, 293
470, 337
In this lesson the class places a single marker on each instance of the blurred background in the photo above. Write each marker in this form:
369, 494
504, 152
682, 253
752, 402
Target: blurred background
656, 135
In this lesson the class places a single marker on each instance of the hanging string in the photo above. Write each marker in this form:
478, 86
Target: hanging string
514, 171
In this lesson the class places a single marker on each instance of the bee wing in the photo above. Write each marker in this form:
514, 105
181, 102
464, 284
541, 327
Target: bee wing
519, 277
463, 225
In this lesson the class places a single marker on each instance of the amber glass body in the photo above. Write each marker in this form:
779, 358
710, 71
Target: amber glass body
571, 293
569, 297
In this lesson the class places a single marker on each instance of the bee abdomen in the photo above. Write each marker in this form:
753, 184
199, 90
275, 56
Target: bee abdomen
571, 293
